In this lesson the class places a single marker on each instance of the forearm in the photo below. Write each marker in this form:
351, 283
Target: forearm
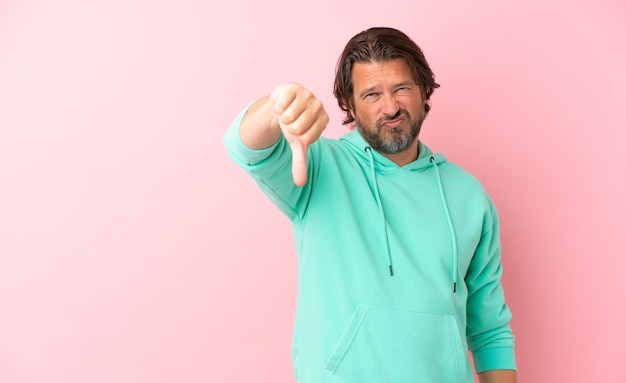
498, 376
259, 128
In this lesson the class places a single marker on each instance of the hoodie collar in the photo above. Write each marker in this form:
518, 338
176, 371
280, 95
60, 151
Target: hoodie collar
383, 164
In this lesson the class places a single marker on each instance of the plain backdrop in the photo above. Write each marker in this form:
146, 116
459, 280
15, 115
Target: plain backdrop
133, 250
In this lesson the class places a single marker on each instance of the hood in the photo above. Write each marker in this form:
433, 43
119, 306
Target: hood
426, 161
383, 164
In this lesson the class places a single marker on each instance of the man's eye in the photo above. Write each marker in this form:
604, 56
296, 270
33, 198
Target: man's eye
404, 90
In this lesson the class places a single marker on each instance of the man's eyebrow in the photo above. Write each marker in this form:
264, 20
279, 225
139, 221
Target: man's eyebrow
374, 88
368, 90
406, 83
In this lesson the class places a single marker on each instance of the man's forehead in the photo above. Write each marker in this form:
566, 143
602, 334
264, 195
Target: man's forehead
371, 73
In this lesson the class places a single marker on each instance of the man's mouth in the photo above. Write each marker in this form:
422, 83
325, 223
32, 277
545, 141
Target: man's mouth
392, 124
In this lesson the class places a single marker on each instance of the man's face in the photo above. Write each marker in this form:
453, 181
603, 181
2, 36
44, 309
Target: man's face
388, 105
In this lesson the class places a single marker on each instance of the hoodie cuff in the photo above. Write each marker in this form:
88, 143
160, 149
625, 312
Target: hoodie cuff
498, 358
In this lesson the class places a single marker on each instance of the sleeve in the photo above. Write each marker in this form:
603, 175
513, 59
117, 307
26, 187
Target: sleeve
271, 169
489, 334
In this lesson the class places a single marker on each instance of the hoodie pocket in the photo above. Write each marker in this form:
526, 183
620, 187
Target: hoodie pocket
382, 345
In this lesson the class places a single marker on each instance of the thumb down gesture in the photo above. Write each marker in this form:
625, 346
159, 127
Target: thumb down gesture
302, 118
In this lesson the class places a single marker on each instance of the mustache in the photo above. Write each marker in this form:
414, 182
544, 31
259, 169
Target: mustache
389, 117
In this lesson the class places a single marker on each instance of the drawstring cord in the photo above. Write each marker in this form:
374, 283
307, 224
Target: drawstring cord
383, 221
455, 255
380, 209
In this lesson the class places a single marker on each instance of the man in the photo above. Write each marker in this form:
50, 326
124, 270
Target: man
398, 250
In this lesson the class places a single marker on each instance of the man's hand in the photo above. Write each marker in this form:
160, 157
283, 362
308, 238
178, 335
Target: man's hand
302, 118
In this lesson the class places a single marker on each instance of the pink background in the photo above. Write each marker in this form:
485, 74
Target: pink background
133, 250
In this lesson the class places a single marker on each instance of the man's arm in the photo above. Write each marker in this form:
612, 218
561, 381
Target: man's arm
290, 110
259, 128
498, 376
489, 334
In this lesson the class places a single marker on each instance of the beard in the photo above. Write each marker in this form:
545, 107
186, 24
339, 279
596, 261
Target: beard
392, 141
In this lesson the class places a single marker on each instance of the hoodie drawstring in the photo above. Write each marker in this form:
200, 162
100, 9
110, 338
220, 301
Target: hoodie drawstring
381, 212
455, 255
442, 197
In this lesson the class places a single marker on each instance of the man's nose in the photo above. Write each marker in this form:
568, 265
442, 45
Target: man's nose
390, 105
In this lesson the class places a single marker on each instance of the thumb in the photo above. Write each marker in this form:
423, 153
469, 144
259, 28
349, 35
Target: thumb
298, 162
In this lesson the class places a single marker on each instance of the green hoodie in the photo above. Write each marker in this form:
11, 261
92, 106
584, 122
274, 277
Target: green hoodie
398, 267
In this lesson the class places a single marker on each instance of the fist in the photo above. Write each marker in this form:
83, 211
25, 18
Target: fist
302, 118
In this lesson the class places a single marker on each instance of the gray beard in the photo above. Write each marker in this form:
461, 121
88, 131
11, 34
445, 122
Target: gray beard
398, 142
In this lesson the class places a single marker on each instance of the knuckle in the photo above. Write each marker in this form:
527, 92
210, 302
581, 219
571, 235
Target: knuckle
296, 128
317, 105
280, 104
287, 116
325, 119
282, 97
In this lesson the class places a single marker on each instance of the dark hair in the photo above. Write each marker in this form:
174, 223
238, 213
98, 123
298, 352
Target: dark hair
380, 45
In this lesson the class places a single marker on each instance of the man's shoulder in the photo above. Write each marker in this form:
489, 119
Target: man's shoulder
461, 178
346, 143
